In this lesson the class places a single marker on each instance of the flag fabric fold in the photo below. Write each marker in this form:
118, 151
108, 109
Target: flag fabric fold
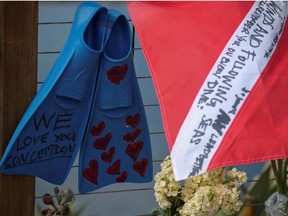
220, 70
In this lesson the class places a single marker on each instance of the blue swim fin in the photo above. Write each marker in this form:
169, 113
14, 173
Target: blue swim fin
117, 145
46, 140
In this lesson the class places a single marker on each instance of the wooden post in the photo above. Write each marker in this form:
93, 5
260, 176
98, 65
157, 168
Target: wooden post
18, 82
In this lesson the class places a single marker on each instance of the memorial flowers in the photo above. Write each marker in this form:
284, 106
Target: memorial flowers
167, 190
202, 195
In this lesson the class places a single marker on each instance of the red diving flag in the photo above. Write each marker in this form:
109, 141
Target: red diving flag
220, 70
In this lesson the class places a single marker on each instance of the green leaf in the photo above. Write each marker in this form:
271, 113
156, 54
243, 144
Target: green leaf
156, 212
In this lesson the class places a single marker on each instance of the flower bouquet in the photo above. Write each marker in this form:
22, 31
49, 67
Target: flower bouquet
202, 195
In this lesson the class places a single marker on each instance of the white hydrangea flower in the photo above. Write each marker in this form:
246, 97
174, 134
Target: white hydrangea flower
165, 184
203, 202
231, 202
203, 195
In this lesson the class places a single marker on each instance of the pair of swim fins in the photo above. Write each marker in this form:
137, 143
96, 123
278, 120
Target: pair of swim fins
90, 101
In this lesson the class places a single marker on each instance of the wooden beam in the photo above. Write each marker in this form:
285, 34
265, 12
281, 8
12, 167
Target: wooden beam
18, 84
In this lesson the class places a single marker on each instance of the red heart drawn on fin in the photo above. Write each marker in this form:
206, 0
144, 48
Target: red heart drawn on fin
91, 173
141, 166
108, 156
133, 150
131, 137
114, 168
122, 177
133, 121
96, 130
117, 73
102, 143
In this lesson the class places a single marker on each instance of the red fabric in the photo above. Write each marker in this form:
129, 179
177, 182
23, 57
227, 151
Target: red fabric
260, 132
181, 42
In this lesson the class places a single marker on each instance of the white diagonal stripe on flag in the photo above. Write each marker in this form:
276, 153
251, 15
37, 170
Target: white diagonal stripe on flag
226, 87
